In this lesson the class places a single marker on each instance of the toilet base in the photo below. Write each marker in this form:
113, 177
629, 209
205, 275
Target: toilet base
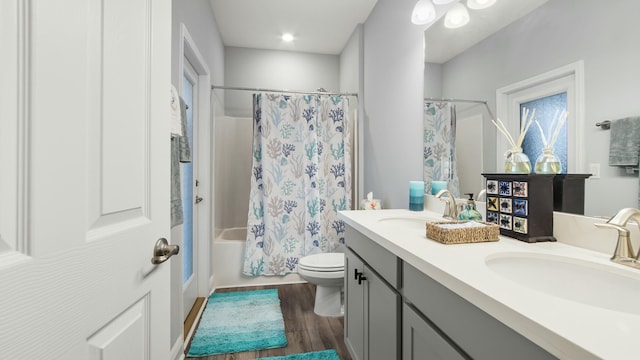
328, 301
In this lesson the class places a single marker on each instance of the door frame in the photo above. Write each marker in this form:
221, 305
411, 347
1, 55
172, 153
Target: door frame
190, 287
202, 157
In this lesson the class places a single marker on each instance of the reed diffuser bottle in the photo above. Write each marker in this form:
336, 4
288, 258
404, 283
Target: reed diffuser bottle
548, 162
516, 161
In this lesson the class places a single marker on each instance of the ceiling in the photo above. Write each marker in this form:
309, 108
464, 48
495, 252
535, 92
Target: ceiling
325, 26
322, 26
442, 44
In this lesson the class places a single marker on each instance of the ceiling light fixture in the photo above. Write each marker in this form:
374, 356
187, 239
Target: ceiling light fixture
480, 4
287, 37
456, 17
424, 12
443, 2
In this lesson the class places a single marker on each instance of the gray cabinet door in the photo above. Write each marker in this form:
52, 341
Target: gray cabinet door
383, 310
421, 342
354, 303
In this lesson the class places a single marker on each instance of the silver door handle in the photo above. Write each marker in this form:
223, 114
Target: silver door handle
198, 199
162, 251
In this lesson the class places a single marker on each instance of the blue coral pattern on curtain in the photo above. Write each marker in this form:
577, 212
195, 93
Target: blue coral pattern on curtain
439, 151
301, 178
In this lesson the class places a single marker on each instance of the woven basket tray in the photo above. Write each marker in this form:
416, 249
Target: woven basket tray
486, 233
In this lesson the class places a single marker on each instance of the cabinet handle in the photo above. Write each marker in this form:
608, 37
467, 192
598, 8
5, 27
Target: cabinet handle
361, 278
356, 274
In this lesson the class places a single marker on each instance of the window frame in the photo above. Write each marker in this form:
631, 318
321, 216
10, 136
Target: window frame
569, 79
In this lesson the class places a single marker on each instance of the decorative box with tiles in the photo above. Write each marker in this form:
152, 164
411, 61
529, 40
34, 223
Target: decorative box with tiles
522, 205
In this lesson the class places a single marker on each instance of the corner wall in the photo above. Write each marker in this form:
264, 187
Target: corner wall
200, 22
393, 92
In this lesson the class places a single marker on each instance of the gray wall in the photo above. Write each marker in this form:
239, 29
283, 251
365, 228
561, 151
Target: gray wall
433, 80
198, 17
393, 92
350, 59
604, 35
351, 80
273, 69
199, 20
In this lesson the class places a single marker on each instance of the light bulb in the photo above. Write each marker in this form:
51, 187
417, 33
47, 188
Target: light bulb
287, 37
423, 12
480, 4
456, 17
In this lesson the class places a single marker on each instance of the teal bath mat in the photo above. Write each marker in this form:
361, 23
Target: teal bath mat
317, 355
239, 321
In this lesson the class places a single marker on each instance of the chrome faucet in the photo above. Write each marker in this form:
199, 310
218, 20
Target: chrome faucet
624, 253
450, 209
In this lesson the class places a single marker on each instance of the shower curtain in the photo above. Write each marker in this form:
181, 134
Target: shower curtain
301, 178
439, 151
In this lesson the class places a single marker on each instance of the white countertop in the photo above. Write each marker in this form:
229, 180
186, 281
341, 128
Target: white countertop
565, 328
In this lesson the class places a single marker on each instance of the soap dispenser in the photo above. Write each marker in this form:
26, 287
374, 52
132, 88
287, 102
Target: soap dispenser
470, 212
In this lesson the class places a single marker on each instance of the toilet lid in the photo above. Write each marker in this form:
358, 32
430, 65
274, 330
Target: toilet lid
323, 262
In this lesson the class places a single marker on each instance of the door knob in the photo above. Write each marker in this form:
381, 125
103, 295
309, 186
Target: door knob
162, 251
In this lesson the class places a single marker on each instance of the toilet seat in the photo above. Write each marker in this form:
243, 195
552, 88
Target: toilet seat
331, 262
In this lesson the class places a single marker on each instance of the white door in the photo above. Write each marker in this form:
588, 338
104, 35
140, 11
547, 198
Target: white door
84, 182
190, 192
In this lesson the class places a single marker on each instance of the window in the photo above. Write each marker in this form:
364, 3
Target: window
559, 88
547, 108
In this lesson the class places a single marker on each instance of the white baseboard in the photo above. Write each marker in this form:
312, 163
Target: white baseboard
177, 351
195, 323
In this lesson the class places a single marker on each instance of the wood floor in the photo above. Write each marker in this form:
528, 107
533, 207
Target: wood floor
305, 330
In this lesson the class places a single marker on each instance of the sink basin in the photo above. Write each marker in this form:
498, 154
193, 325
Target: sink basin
572, 279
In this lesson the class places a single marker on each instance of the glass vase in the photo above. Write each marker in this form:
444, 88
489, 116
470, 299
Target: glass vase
548, 162
517, 162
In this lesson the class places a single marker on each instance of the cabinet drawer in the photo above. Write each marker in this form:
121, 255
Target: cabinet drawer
381, 260
479, 334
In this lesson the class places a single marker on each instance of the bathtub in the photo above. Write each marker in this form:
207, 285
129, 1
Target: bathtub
227, 258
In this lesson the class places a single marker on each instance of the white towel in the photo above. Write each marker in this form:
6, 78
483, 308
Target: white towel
175, 117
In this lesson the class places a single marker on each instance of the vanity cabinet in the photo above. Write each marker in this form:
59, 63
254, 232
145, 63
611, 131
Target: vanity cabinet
372, 304
395, 311
422, 341
471, 330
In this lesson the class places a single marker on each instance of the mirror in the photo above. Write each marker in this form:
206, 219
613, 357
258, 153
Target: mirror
539, 36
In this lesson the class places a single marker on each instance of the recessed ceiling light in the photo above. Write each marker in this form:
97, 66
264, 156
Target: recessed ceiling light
287, 37
480, 4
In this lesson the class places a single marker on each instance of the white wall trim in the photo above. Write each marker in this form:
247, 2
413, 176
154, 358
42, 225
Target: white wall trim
177, 350
189, 50
194, 326
15, 119
360, 116
505, 103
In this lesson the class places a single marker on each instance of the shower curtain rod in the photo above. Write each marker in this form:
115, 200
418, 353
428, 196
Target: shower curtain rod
455, 100
213, 87
483, 102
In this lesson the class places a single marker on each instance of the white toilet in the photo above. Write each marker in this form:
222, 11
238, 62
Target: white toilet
326, 271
